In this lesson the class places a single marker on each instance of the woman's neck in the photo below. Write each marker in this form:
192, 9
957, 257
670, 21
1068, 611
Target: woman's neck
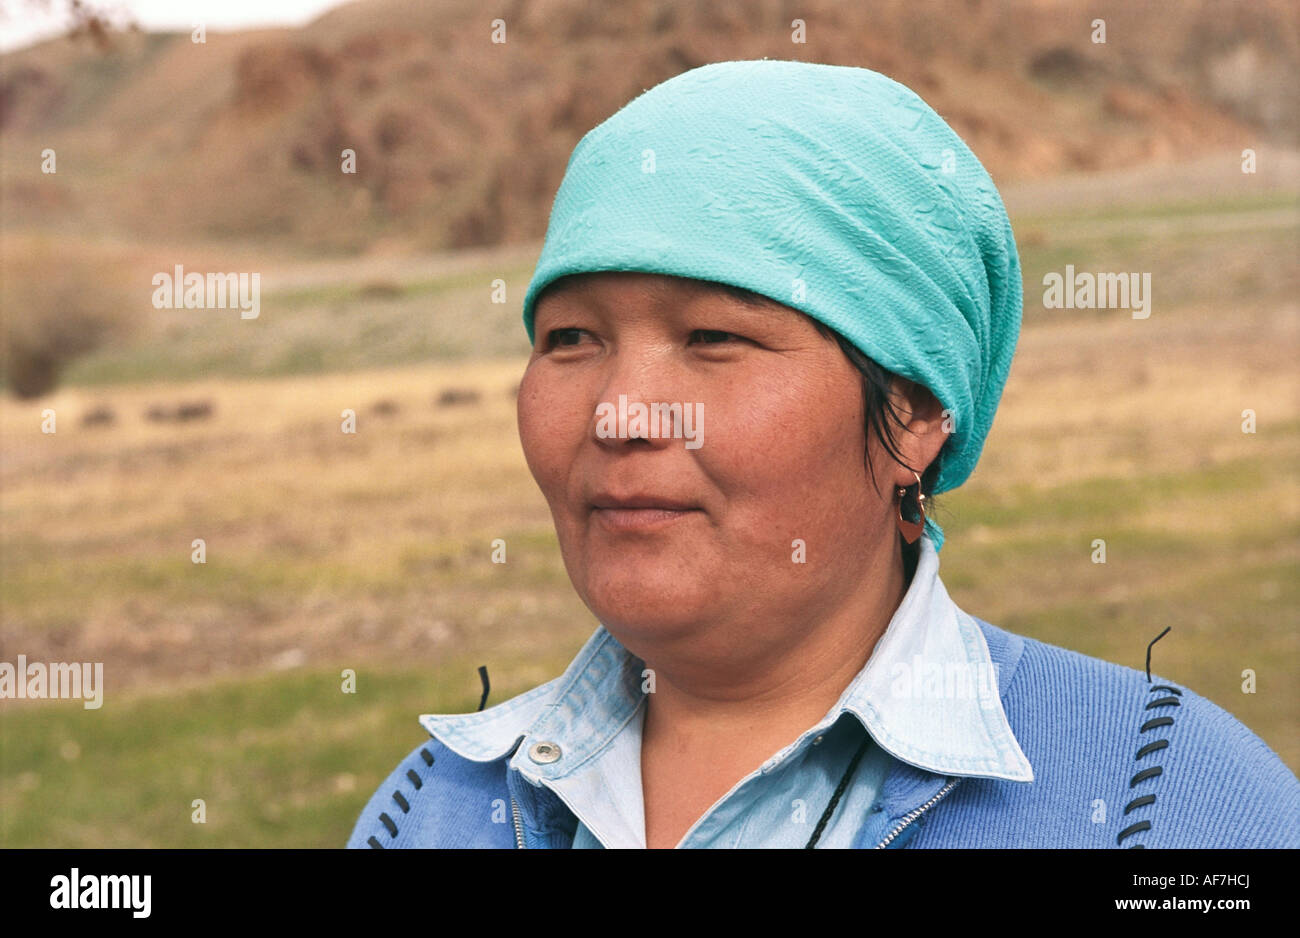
761, 693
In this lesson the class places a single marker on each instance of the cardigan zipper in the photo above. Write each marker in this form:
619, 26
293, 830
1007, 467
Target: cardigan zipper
911, 816
916, 813
519, 826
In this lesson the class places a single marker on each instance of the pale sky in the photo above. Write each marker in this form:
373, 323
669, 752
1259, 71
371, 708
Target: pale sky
26, 21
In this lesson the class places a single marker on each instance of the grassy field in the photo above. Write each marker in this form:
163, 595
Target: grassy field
371, 551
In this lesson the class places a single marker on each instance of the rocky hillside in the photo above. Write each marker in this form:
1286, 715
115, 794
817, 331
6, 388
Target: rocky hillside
462, 141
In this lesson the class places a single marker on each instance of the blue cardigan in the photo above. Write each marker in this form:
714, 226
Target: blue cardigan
1118, 762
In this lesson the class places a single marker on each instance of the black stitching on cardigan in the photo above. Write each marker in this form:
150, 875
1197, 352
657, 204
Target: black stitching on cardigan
1152, 747
374, 844
1145, 774
1139, 803
1157, 722
1157, 745
402, 802
1133, 829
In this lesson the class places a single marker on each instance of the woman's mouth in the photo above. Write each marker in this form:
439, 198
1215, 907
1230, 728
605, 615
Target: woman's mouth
639, 513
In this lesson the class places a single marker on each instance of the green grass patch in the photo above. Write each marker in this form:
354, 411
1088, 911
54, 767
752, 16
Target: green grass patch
283, 760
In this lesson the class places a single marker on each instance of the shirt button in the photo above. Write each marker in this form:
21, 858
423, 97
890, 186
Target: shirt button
817, 741
544, 753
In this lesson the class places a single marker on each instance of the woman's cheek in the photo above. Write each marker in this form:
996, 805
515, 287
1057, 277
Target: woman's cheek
544, 411
789, 422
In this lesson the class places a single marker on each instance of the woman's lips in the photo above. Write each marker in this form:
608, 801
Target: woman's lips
640, 519
639, 512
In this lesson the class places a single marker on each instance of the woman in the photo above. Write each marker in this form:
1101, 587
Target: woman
774, 314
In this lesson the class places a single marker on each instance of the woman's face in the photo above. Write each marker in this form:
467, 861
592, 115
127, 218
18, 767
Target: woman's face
699, 544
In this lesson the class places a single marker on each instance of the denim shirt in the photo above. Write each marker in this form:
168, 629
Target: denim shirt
928, 697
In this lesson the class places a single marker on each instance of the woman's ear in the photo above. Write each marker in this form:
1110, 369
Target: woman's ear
926, 425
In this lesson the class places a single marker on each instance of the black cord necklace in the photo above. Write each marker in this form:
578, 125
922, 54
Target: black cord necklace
911, 555
839, 792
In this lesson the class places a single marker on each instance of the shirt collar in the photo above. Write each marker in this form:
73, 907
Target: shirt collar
929, 695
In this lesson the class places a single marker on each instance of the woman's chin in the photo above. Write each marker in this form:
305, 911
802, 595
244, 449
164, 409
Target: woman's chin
651, 610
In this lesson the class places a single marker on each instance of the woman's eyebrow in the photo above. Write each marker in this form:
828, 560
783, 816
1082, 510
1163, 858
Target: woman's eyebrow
576, 299
567, 300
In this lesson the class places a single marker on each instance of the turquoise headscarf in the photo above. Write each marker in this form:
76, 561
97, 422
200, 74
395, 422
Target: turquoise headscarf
831, 189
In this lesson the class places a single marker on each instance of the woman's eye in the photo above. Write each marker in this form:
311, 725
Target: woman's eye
561, 337
712, 336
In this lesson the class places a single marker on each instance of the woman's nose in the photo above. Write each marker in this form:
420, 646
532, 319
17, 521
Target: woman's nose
640, 403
